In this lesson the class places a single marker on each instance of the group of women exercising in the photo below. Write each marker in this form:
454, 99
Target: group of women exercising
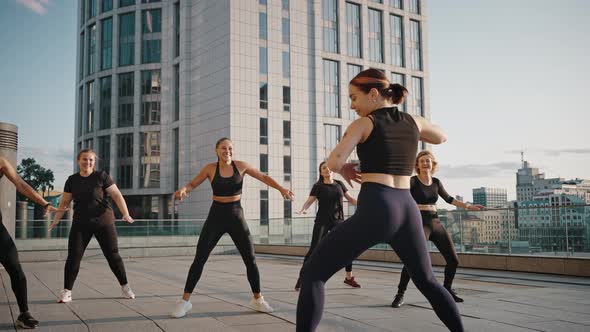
393, 207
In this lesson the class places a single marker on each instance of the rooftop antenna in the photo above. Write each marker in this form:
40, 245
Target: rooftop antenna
522, 158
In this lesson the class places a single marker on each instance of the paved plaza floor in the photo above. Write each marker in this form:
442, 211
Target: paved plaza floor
494, 301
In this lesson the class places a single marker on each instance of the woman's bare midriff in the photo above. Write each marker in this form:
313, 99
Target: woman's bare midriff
390, 180
227, 199
426, 207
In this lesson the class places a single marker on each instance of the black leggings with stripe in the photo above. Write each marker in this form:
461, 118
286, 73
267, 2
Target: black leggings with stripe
224, 218
383, 215
9, 259
435, 232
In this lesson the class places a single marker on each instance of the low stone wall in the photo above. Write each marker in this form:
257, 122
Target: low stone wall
570, 266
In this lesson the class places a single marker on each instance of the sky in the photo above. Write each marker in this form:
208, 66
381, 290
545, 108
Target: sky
505, 76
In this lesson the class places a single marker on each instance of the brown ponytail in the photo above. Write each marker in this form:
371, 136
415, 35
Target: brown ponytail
374, 78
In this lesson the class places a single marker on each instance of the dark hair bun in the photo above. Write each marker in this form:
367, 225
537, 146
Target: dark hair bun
396, 92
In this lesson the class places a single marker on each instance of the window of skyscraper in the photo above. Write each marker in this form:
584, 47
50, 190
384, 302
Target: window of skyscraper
149, 159
104, 153
105, 103
353, 29
263, 60
106, 5
126, 39
331, 138
176, 92
286, 65
375, 36
91, 49
396, 4
397, 40
415, 46
415, 6
331, 89
262, 28
126, 92
264, 163
176, 29
286, 30
81, 68
264, 207
286, 98
91, 8
263, 131
286, 133
263, 96
330, 16
417, 95
125, 3
90, 107
151, 48
287, 168
151, 86
106, 44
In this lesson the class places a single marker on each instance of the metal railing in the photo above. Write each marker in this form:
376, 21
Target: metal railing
542, 230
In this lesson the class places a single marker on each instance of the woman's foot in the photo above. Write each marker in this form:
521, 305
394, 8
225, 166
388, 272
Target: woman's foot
181, 308
65, 296
351, 282
398, 301
127, 292
26, 321
454, 295
260, 304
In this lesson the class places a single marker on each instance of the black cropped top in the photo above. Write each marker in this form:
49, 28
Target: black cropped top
424, 194
392, 145
229, 186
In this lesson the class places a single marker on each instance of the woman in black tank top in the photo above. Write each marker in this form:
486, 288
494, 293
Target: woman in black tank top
425, 190
225, 216
387, 142
8, 252
329, 193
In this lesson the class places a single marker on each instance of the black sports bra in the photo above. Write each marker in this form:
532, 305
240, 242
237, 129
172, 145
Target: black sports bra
229, 186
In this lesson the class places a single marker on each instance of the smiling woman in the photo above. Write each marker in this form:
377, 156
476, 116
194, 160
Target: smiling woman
93, 216
225, 216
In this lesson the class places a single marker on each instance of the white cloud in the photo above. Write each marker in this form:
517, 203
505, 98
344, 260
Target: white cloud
37, 6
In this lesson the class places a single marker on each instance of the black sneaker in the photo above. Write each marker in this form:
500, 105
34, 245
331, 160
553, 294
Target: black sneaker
398, 301
26, 321
454, 295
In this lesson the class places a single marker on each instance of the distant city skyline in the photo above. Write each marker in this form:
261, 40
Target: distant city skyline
505, 77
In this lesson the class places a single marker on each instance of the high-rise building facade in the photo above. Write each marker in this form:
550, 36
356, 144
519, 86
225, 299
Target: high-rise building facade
490, 197
159, 82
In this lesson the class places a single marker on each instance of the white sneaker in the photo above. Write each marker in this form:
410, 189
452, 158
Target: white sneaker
181, 308
65, 296
260, 305
127, 292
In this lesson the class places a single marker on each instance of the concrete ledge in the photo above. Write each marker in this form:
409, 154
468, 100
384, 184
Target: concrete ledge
570, 266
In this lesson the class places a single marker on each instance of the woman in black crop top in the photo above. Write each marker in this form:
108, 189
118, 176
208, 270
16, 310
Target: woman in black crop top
225, 216
425, 190
387, 142
93, 216
329, 193
8, 252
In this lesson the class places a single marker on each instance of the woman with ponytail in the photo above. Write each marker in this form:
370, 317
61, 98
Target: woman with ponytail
225, 216
329, 193
387, 143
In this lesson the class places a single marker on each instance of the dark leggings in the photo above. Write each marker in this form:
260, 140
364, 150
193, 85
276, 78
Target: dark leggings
435, 232
103, 228
320, 230
224, 218
383, 215
9, 259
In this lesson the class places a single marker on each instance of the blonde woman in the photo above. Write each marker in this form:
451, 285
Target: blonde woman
425, 190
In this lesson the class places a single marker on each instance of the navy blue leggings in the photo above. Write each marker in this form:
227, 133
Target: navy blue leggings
9, 259
224, 218
435, 232
383, 215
